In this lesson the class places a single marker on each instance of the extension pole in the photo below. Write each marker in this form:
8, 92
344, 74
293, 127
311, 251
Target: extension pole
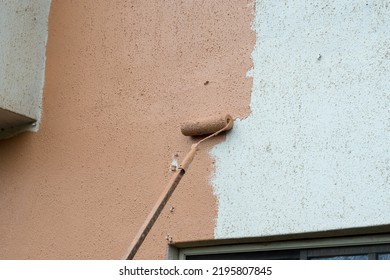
225, 124
153, 215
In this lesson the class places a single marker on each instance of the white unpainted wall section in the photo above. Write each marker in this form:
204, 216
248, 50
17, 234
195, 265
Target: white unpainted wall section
314, 153
23, 37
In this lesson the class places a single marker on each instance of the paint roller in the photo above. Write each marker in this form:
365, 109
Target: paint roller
211, 126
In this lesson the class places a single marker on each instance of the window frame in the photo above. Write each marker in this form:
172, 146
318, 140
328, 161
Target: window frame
371, 245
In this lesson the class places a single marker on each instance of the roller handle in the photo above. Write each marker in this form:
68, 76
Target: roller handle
189, 157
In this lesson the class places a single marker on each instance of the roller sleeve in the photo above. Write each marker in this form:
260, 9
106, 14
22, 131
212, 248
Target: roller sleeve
207, 125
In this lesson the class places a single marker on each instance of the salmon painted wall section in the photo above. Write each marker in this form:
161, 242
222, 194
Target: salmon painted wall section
120, 78
314, 153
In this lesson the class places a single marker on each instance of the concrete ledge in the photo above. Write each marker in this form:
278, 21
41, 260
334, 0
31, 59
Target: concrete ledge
12, 123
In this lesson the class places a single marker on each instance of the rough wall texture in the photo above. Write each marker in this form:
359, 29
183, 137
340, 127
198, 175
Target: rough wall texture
23, 36
314, 153
120, 77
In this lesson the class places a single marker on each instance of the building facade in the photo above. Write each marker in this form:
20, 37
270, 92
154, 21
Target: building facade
306, 166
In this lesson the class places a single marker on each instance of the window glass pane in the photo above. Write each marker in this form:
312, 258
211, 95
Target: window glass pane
356, 257
385, 256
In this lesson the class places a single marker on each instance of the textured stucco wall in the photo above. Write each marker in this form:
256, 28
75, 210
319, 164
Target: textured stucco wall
314, 153
120, 78
23, 36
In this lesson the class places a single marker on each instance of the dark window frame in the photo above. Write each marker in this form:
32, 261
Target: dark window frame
371, 251
370, 246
